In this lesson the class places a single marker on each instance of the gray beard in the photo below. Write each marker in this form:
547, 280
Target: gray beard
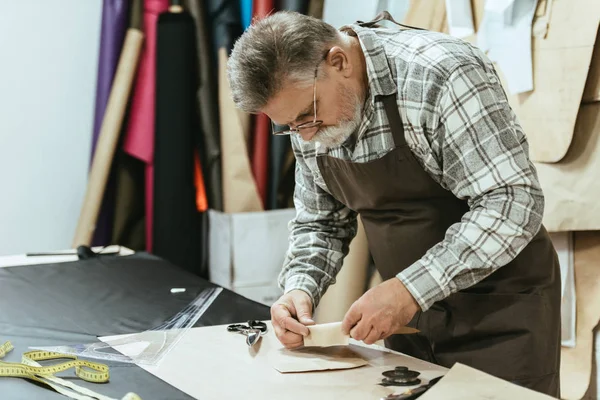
333, 136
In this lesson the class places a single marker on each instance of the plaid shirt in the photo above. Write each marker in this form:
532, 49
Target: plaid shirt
461, 128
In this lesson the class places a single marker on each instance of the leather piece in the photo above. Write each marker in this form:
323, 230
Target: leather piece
246, 8
75, 302
260, 156
225, 23
324, 335
139, 137
262, 124
300, 6
208, 106
280, 146
178, 233
114, 24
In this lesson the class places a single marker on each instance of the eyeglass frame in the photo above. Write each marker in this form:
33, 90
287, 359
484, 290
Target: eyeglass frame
315, 123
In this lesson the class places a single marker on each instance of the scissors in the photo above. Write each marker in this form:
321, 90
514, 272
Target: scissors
252, 329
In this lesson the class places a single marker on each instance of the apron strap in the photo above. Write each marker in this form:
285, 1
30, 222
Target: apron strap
384, 15
393, 116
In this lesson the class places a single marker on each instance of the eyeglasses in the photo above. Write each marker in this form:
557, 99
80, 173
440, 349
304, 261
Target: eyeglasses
279, 130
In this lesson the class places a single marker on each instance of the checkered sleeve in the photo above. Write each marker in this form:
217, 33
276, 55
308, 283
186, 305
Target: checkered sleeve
483, 156
320, 234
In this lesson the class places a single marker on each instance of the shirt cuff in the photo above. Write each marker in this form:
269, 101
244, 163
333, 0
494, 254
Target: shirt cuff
307, 284
423, 285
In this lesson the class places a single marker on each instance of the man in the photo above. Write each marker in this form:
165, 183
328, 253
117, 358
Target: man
412, 130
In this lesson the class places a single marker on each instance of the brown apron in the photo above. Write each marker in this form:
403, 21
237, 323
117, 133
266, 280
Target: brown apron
508, 324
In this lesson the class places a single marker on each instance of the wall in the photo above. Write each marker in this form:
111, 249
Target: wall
47, 91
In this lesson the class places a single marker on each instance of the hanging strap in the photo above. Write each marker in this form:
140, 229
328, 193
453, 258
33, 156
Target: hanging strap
384, 15
394, 119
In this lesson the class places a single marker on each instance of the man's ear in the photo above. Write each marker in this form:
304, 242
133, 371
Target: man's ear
339, 60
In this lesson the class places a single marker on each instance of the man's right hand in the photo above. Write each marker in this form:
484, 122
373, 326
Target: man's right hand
290, 316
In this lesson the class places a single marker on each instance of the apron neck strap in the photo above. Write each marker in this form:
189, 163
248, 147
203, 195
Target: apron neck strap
384, 15
395, 120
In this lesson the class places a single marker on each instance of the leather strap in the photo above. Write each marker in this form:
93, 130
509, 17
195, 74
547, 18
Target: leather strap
384, 15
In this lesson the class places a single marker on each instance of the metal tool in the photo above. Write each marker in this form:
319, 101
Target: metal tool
400, 376
253, 330
413, 393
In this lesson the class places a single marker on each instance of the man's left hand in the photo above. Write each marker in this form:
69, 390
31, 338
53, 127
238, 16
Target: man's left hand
380, 312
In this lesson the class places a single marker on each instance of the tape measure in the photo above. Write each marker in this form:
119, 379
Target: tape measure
86, 370
30, 369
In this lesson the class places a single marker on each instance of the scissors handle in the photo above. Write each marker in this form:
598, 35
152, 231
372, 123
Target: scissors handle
261, 326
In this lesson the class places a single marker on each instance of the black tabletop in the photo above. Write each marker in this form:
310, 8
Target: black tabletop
75, 302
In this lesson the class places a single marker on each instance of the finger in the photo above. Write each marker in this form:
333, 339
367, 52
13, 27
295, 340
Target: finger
360, 330
278, 313
372, 336
351, 318
288, 338
304, 311
282, 317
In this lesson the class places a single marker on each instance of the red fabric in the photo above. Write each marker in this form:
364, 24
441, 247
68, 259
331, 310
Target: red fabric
139, 137
201, 200
262, 8
262, 124
260, 155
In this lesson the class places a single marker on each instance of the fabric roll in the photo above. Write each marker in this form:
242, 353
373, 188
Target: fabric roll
114, 24
315, 8
226, 25
177, 234
260, 156
130, 215
300, 6
280, 145
262, 8
260, 142
112, 35
110, 131
246, 8
239, 189
139, 139
207, 103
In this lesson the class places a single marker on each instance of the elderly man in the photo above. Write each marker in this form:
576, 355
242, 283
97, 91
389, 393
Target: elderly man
412, 130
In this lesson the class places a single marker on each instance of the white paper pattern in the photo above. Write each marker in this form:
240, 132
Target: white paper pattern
505, 33
460, 18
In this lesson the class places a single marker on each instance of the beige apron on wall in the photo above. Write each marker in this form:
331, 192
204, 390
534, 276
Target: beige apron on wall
560, 66
572, 186
561, 61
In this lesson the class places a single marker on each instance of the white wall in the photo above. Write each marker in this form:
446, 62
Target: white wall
48, 64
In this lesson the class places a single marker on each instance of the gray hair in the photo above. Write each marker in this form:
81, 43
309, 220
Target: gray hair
284, 47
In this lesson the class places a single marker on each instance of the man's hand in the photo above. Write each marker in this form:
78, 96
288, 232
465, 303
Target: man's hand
380, 312
290, 315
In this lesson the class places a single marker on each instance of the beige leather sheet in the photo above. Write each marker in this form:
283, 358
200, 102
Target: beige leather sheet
211, 363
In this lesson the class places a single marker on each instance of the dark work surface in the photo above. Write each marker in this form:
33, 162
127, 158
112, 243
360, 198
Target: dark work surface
73, 303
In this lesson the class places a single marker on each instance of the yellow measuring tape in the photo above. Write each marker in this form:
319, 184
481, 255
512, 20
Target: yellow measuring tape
30, 369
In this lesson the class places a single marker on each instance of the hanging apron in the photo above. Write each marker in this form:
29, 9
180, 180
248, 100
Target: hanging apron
506, 325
